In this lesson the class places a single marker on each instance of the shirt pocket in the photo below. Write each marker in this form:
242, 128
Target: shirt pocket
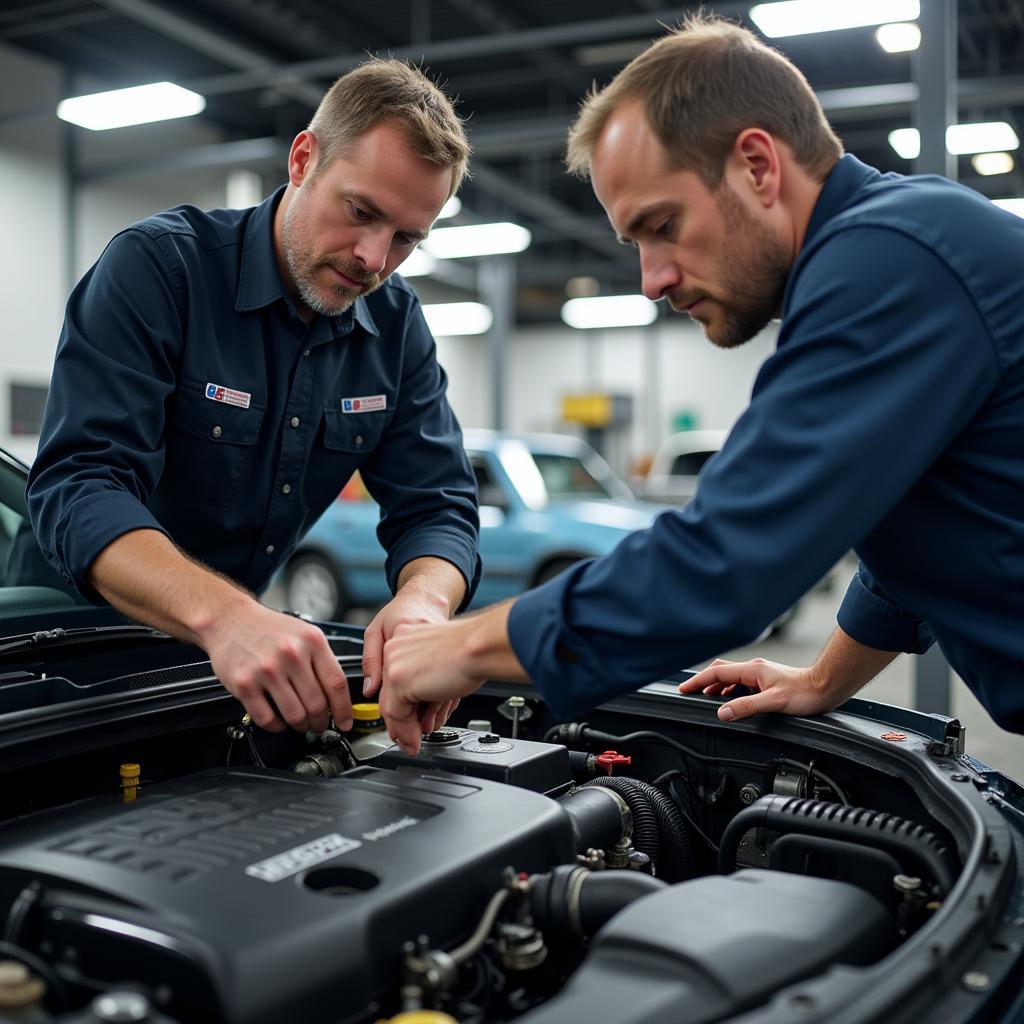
343, 443
210, 448
357, 433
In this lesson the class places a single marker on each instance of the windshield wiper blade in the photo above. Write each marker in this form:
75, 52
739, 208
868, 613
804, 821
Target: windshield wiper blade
87, 634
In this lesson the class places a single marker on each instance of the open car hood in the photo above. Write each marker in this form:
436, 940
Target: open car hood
647, 865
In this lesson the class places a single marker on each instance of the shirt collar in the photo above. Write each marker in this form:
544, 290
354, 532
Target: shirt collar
259, 278
843, 181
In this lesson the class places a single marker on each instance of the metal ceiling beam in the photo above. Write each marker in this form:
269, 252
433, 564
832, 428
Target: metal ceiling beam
211, 43
462, 48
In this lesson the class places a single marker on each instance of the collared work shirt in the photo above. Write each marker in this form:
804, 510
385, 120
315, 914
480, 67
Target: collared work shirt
890, 419
189, 397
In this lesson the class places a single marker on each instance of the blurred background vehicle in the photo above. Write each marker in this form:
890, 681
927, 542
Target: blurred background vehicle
677, 462
546, 501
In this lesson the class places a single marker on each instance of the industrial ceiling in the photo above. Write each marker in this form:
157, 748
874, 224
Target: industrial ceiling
518, 67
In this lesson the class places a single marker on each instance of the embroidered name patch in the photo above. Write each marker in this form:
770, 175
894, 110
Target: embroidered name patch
219, 393
367, 403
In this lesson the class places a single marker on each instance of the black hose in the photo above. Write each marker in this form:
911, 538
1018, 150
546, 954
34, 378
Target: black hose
572, 903
598, 818
646, 837
604, 893
897, 836
673, 854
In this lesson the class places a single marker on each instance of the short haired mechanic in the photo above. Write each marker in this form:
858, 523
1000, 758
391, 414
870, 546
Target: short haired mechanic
221, 374
889, 419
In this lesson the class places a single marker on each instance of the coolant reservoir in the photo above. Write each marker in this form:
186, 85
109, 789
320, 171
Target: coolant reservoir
369, 737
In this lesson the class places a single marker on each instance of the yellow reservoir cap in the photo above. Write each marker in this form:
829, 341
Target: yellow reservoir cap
130, 770
420, 1017
366, 717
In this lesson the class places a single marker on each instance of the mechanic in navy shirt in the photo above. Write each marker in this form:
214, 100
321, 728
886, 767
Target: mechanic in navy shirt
890, 419
221, 375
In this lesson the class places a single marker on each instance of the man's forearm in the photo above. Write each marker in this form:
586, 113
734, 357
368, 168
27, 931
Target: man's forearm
434, 578
145, 576
845, 666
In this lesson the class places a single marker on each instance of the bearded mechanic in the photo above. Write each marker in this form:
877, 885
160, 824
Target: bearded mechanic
889, 419
221, 374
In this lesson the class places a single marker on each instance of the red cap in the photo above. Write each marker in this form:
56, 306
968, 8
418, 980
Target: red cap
610, 758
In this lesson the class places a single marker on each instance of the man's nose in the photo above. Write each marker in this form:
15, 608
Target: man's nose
658, 278
372, 250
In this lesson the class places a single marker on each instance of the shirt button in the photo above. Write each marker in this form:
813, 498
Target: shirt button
270, 549
359, 438
286, 489
217, 431
306, 353
294, 421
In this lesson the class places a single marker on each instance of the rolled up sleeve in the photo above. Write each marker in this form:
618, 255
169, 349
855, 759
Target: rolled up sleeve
872, 618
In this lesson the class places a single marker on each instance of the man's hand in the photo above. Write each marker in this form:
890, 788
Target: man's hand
409, 607
780, 688
281, 668
429, 665
842, 668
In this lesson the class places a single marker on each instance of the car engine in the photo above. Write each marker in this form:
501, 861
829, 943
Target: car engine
491, 878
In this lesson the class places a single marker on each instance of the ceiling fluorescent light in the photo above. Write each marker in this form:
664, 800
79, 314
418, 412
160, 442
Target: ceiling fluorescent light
476, 240
451, 319
906, 142
609, 311
992, 163
417, 264
981, 138
801, 17
450, 209
985, 137
141, 104
901, 37
1013, 205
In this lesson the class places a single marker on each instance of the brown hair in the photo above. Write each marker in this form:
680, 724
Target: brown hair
386, 89
700, 87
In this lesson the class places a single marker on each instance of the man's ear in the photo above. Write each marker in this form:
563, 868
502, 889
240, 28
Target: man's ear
302, 157
755, 165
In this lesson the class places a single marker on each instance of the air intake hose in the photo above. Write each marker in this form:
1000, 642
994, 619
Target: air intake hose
903, 839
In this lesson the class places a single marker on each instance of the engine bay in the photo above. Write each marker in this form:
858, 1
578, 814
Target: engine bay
648, 865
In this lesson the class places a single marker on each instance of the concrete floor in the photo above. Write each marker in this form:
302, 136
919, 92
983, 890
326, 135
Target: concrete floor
807, 633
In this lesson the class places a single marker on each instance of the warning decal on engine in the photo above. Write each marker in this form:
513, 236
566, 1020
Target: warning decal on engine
283, 865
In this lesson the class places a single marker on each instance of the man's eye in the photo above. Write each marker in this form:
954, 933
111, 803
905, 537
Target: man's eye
664, 230
358, 212
403, 239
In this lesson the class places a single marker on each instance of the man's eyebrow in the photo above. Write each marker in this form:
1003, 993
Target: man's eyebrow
373, 208
637, 222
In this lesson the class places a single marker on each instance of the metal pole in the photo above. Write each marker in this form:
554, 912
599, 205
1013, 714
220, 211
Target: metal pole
498, 290
935, 72
69, 191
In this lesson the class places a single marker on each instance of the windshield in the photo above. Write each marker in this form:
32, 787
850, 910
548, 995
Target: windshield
566, 476
30, 588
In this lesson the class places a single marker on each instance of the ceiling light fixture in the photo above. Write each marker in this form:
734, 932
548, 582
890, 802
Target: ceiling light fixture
476, 240
417, 264
159, 101
900, 37
609, 311
992, 163
1012, 205
451, 319
801, 17
984, 137
451, 208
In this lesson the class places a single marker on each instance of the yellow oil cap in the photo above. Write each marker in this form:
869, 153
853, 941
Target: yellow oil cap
366, 717
420, 1017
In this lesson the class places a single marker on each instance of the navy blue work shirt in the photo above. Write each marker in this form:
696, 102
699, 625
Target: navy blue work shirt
189, 397
890, 419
